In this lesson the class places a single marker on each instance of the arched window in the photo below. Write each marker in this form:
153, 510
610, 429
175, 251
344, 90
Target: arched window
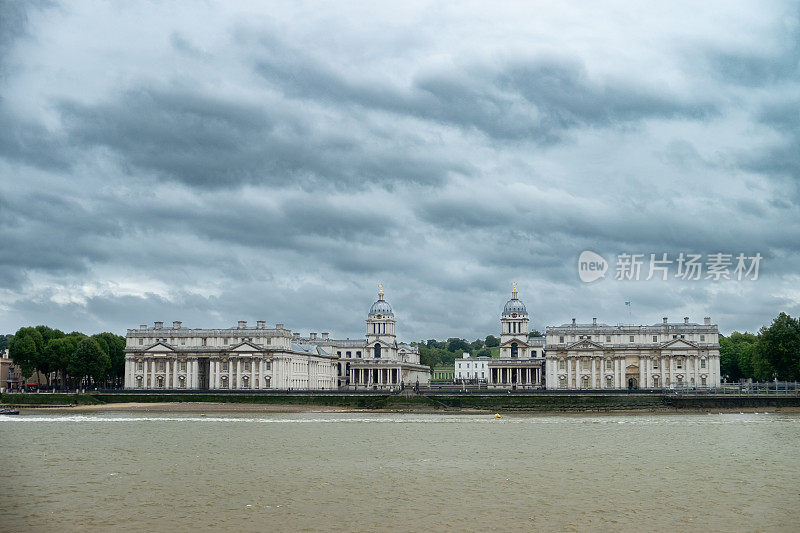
514, 349
609, 382
377, 351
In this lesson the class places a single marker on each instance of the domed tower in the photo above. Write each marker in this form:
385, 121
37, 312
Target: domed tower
381, 339
514, 327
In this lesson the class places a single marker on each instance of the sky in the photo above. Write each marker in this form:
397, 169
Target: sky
219, 161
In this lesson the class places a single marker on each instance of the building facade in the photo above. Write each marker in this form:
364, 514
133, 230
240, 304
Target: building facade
471, 369
665, 355
271, 358
235, 358
521, 357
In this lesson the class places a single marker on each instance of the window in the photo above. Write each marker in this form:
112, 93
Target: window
266, 367
183, 342
161, 366
702, 364
585, 382
561, 364
349, 354
702, 338
377, 351
459, 365
630, 339
183, 366
655, 338
674, 336
482, 375
141, 341
561, 339
703, 381
205, 341
224, 366
562, 382
247, 365
139, 366
339, 353
609, 382
584, 364
679, 363
683, 336
608, 338
655, 364
514, 349
609, 364
358, 354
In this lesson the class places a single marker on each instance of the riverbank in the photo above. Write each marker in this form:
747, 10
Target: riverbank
468, 403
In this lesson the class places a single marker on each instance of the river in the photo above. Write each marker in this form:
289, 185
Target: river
399, 472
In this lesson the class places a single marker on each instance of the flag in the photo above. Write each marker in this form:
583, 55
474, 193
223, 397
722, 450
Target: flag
628, 304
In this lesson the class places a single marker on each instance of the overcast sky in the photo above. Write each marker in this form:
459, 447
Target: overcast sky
213, 162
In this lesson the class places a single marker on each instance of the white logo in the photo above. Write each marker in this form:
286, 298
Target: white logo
591, 266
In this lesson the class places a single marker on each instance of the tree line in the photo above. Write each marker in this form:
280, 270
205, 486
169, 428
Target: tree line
76, 359
773, 353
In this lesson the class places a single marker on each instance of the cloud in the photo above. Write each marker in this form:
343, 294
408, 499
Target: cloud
215, 164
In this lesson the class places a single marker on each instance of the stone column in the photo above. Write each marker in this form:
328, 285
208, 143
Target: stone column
252, 374
145, 373
593, 376
175, 373
641, 371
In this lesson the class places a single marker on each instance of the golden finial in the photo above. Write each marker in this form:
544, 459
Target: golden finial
514, 284
380, 289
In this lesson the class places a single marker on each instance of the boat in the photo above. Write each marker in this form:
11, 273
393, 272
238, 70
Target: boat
8, 411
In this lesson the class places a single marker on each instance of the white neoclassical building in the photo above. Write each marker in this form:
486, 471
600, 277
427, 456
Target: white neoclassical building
234, 358
377, 362
471, 369
259, 357
599, 356
521, 357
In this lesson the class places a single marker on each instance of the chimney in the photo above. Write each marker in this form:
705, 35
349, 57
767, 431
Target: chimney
707, 321
325, 335
313, 336
594, 321
278, 326
295, 336
665, 320
143, 327
242, 324
686, 320
176, 324
573, 321
261, 324
158, 325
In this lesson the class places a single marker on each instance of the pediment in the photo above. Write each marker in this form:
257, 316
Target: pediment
159, 347
584, 344
245, 346
520, 342
678, 344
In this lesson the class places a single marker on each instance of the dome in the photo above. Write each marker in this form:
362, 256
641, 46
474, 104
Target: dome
515, 305
381, 306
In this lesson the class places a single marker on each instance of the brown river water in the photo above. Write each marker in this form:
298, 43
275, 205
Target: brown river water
399, 472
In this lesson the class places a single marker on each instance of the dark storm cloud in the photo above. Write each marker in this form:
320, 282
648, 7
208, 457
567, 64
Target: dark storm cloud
538, 99
208, 141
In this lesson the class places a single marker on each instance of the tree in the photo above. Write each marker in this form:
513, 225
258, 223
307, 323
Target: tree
736, 355
60, 351
4, 340
89, 360
535, 333
457, 345
778, 350
22, 350
484, 352
114, 346
491, 341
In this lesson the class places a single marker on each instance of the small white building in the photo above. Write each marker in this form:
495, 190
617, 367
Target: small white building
471, 369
